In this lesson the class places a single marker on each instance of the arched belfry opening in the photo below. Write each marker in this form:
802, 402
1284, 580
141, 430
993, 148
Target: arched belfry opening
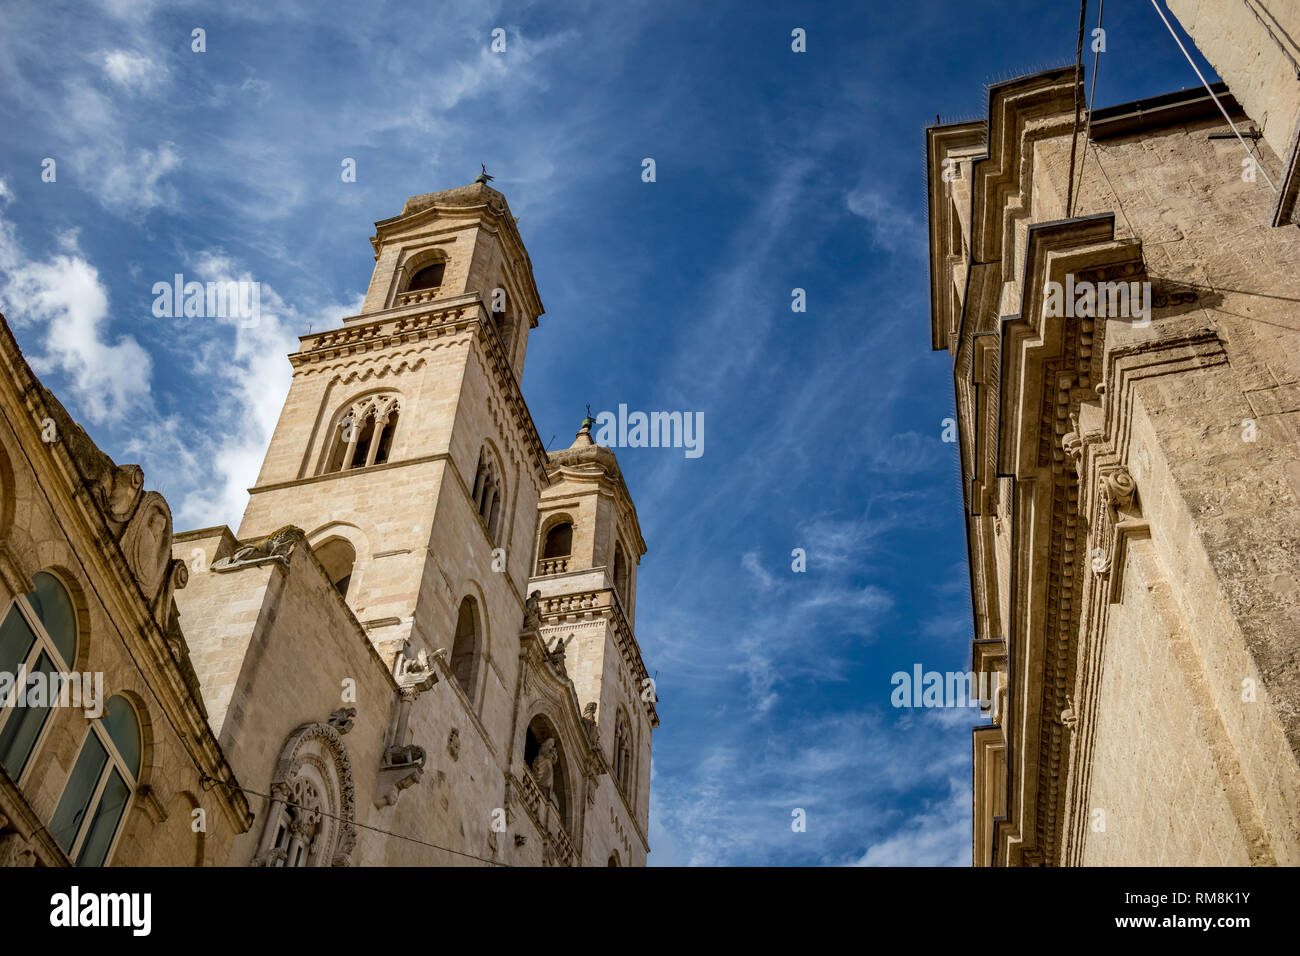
557, 546
429, 277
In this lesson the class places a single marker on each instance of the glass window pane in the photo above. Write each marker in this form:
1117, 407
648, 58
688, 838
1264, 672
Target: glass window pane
16, 640
124, 730
108, 815
23, 726
52, 605
76, 795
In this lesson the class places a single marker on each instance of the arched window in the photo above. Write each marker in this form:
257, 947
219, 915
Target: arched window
489, 493
38, 636
556, 548
425, 273
623, 754
466, 647
503, 315
620, 574
99, 789
363, 433
505, 324
613, 859
337, 557
559, 541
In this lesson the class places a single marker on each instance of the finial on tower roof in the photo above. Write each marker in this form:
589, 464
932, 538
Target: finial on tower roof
584, 430
483, 177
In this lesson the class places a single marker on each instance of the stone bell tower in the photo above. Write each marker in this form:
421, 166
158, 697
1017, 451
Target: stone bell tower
404, 449
589, 545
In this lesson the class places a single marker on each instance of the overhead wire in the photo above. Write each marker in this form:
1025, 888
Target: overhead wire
1217, 102
364, 826
1092, 98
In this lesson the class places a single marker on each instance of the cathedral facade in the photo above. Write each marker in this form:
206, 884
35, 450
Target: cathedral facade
1117, 292
418, 647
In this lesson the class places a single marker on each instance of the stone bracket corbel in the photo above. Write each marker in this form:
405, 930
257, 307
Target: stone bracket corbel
402, 765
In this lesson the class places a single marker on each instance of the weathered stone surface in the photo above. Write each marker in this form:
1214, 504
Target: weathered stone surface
1151, 629
358, 673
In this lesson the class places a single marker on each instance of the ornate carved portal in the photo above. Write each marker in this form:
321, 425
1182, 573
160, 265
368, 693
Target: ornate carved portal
311, 820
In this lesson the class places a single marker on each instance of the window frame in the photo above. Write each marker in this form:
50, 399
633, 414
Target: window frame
43, 643
113, 762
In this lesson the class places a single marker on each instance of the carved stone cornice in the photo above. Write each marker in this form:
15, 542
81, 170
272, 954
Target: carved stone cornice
418, 326
601, 604
1048, 370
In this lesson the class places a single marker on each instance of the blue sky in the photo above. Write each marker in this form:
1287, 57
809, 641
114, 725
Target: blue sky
775, 170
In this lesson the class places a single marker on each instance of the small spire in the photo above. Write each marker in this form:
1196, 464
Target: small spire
483, 177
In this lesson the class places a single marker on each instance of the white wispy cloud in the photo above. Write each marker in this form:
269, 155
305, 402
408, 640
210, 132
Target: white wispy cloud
63, 296
893, 227
937, 836
134, 72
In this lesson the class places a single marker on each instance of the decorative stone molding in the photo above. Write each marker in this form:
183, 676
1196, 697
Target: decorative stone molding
116, 488
146, 543
313, 787
1069, 717
16, 850
1118, 487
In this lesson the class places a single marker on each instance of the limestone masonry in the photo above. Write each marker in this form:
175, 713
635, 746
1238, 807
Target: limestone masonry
1131, 483
418, 648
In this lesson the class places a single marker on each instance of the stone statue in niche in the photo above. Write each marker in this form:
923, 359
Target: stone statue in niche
589, 722
543, 767
556, 653
453, 744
